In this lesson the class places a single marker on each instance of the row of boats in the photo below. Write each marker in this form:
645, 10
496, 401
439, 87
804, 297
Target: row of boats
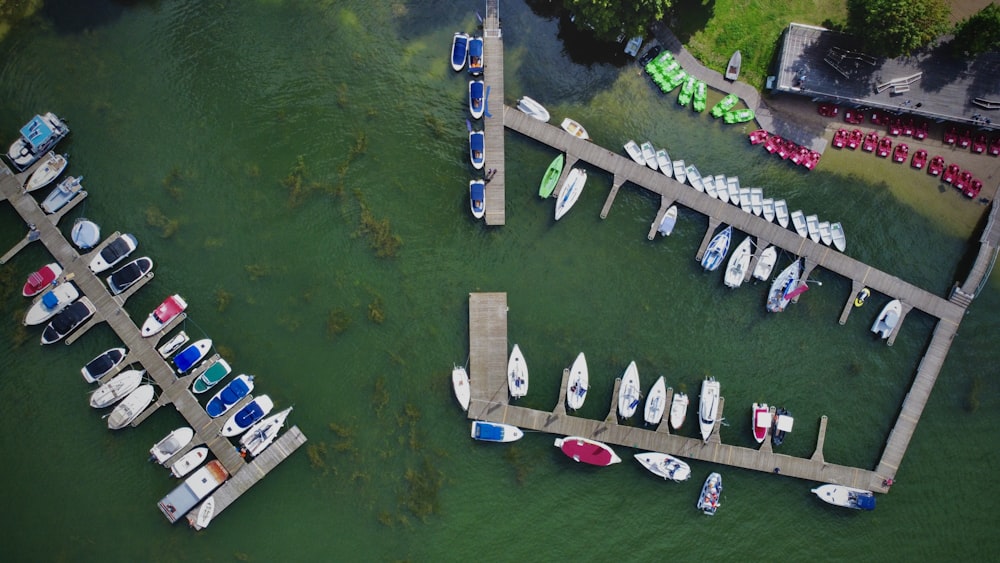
785, 148
667, 74
467, 50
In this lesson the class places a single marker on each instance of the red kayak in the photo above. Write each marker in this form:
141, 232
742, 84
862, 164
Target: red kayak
587, 451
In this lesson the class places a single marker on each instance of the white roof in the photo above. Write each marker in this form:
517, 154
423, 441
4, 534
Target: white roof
785, 423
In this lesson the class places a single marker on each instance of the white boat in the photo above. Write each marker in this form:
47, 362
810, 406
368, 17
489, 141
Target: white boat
799, 222
495, 432
765, 264
131, 407
812, 227
708, 409
85, 233
678, 410
51, 303
781, 213
694, 178
634, 151
173, 345
757, 201
649, 154
783, 284
574, 128
459, 50
192, 354
163, 314
47, 172
733, 68
633, 45
824, 232
733, 186
477, 198
533, 109
227, 397
629, 392
711, 494
768, 209
113, 253
717, 250
887, 320
189, 461
68, 320
477, 98
760, 421
739, 263
517, 373
460, 383
745, 200
476, 63
205, 513
578, 382
38, 136
663, 162
263, 433
571, 189
62, 194
243, 419
708, 182
839, 239
722, 188
668, 222
848, 497
102, 364
656, 403
680, 171
664, 465
117, 388
171, 444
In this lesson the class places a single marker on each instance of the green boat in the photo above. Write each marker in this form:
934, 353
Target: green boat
551, 176
700, 94
684, 98
739, 116
214, 374
674, 80
724, 105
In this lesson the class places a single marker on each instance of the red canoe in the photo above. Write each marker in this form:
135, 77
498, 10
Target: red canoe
587, 451
41, 280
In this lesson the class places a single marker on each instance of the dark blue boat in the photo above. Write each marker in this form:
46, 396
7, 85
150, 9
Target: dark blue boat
229, 395
245, 417
188, 357
476, 102
477, 149
459, 50
476, 63
477, 198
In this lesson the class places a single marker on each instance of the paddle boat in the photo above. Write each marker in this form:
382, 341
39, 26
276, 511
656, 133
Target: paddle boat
37, 137
700, 97
711, 493
756, 137
687, 91
459, 50
950, 173
573, 128
126, 276
131, 407
668, 222
963, 180
476, 63
517, 373
47, 172
103, 364
840, 138
63, 193
760, 419
870, 142
215, 373
585, 450
551, 176
41, 279
786, 282
113, 253
570, 192
259, 436
51, 303
900, 153
717, 250
727, 103
888, 319
495, 432
951, 135
827, 109
533, 109
243, 419
678, 410
855, 117
884, 147
738, 116
664, 465
855, 139
936, 165
477, 198
629, 392
68, 320
975, 186
848, 497
476, 100
460, 384
919, 159
225, 398
739, 263
577, 383
161, 316
782, 425
964, 139
477, 149
708, 408
656, 403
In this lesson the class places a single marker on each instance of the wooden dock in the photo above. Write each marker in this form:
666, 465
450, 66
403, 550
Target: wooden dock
496, 198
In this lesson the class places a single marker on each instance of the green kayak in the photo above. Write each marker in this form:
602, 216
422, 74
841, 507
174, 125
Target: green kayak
551, 177
724, 105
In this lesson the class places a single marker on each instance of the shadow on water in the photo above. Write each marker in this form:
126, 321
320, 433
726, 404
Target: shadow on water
74, 16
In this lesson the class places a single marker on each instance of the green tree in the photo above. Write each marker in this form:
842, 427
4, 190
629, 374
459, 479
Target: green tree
979, 33
893, 28
607, 19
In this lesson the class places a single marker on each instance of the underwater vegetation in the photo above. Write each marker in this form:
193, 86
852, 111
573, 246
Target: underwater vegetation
972, 398
377, 231
155, 218
337, 322
222, 299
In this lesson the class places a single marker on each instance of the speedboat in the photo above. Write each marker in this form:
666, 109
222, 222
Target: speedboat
678, 410
570, 192
40, 280
824, 232
767, 212
476, 63
888, 319
51, 303
477, 149
656, 403
862, 295
62, 194
694, 178
533, 109
783, 423
551, 176
663, 162
765, 264
649, 154
131, 407
229, 395
477, 198
680, 170
708, 409
68, 320
669, 221
711, 493
812, 227
781, 213
757, 201
574, 128
634, 152
733, 186
162, 315
85, 233
783, 284
38, 136
476, 100
517, 373
739, 263
189, 461
117, 388
263, 432
103, 364
799, 222
460, 384
211, 376
837, 234
495, 431
629, 392
244, 418
115, 251
664, 465
848, 497
47, 172
126, 276
459, 50
192, 354
588, 451
761, 420
717, 250
172, 443
578, 382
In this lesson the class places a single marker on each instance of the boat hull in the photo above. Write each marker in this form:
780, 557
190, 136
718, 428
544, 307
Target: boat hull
656, 403
708, 409
578, 383
460, 385
665, 466
591, 452
629, 392
678, 410
517, 373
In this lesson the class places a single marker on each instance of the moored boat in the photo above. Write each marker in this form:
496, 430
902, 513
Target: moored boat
664, 465
785, 282
687, 91
117, 388
648, 154
761, 420
68, 320
533, 109
40, 280
85, 233
574, 128
708, 182
495, 432
767, 206
243, 419
887, 320
584, 450
734, 189
781, 212
656, 403
783, 423
476, 63
551, 176
663, 162
708, 407
733, 68
113, 253
476, 103
678, 410
799, 222
578, 383
717, 250
824, 232
126, 276
848, 497
163, 314
191, 355
765, 264
211, 376
460, 384
812, 227
727, 103
757, 201
694, 178
225, 398
570, 192
205, 513
51, 303
629, 392
862, 295
711, 494
131, 407
259, 436
679, 170
838, 237
477, 149
103, 364
634, 152
741, 115
189, 461
517, 373
700, 96
62, 194
47, 172
745, 200
186, 496
477, 198
459, 50
756, 137
37, 137
722, 188
668, 222
172, 443
739, 263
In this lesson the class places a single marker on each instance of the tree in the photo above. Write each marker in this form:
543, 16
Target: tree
608, 19
897, 27
979, 33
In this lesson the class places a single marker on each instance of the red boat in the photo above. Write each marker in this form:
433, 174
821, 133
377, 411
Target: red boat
920, 132
879, 119
828, 110
963, 181
787, 149
884, 147
587, 451
42, 279
951, 135
853, 116
936, 166
162, 315
811, 160
995, 146
979, 144
896, 127
919, 159
900, 153
757, 137
840, 138
798, 155
973, 189
950, 173
908, 127
761, 420
773, 143
965, 138
854, 141
870, 142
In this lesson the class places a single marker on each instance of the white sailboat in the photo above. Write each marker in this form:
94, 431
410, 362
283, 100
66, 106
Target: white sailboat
578, 382
517, 373
656, 403
628, 392
739, 263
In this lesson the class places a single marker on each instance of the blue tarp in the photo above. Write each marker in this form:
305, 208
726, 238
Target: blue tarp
248, 415
36, 132
478, 191
489, 432
866, 502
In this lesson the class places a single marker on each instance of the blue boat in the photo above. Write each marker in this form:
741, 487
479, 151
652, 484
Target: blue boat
38, 136
477, 149
188, 357
477, 198
476, 105
476, 63
495, 432
229, 395
245, 417
717, 250
459, 50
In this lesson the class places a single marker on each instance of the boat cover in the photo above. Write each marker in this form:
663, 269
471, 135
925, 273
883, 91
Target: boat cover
477, 140
188, 357
866, 501
490, 432
49, 300
37, 132
118, 248
785, 423
248, 415
478, 191
236, 390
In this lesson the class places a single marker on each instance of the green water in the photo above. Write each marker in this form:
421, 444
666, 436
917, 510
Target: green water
188, 120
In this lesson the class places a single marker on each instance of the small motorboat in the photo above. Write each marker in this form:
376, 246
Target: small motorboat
584, 450
578, 383
85, 233
161, 316
664, 465
668, 222
656, 403
767, 209
781, 212
663, 162
174, 344
131, 407
694, 178
476, 63
459, 51
570, 192
574, 128
41, 279
745, 200
649, 154
888, 319
460, 384
680, 170
477, 149
103, 364
629, 394
717, 250
708, 182
734, 189
189, 461
711, 494
113, 253
192, 354
477, 198
533, 109
678, 410
783, 423
126, 276
761, 420
476, 98
495, 432
812, 226
51, 303
263, 433
799, 222
63, 193
838, 236
211, 376
68, 320
733, 68
757, 201
551, 176
517, 373
919, 159
739, 263
862, 295
824, 232
117, 388
47, 172
229, 395
634, 152
38, 136
708, 408
848, 497
765, 264
205, 513
722, 188
172, 443
244, 418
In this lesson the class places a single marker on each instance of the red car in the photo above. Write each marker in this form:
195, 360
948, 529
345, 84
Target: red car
979, 144
828, 110
950, 173
919, 159
900, 153
840, 138
855, 140
884, 147
870, 142
936, 166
